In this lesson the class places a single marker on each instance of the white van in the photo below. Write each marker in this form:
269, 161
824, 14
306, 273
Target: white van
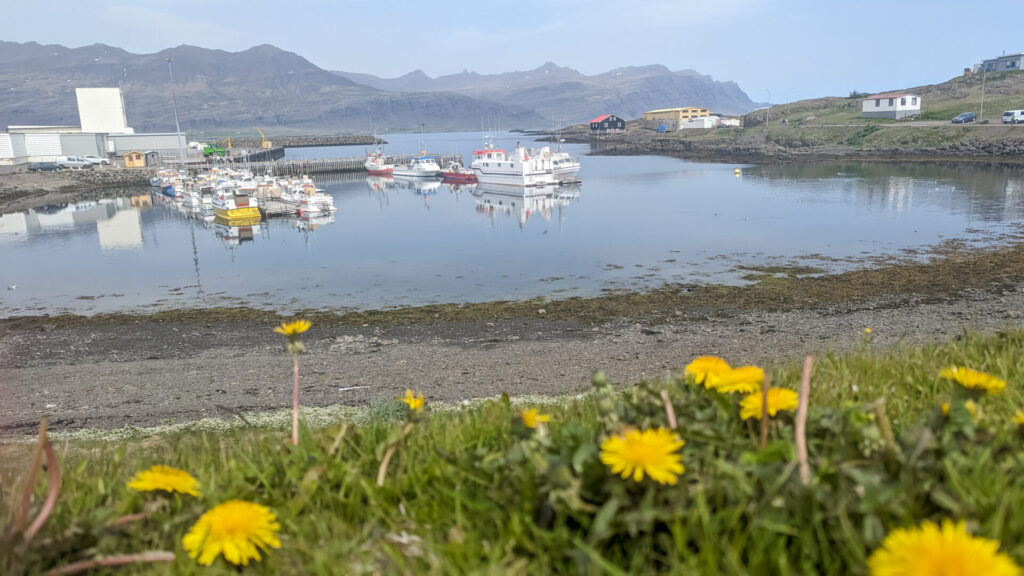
73, 162
1013, 117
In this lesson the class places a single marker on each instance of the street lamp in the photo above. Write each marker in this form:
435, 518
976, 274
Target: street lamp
174, 101
768, 114
981, 113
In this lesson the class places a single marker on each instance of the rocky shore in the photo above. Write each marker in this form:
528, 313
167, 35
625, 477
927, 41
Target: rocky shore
24, 190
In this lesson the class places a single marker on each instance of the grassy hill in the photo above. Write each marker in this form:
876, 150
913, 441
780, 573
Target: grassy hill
832, 127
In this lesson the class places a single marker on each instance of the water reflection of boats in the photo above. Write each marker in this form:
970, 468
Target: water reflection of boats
312, 222
525, 202
235, 231
456, 188
380, 183
422, 186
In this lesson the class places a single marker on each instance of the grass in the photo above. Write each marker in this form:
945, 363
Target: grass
471, 490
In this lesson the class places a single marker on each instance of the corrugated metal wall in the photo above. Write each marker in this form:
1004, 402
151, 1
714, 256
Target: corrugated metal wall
82, 145
42, 147
124, 143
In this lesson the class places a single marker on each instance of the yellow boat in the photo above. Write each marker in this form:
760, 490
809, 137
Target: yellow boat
236, 207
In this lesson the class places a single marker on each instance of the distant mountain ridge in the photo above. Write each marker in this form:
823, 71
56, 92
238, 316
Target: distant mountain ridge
272, 88
562, 93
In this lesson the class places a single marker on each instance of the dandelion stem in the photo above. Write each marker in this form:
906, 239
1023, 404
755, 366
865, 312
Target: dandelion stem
765, 385
295, 399
670, 411
382, 472
154, 556
801, 421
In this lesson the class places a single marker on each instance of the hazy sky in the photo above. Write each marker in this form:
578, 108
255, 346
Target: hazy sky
780, 50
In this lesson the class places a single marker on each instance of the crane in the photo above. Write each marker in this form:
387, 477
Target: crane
264, 143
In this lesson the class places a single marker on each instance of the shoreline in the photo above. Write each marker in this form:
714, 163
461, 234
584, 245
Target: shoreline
113, 371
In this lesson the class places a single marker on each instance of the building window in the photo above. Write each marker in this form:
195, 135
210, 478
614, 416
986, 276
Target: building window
903, 101
892, 101
913, 101
878, 102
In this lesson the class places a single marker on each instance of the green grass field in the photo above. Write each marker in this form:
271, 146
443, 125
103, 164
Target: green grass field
472, 489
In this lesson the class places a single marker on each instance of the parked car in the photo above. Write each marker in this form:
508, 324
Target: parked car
965, 117
44, 167
96, 160
1013, 117
73, 162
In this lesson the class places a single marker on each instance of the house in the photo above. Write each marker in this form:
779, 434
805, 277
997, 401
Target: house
134, 159
672, 118
893, 105
1004, 62
607, 124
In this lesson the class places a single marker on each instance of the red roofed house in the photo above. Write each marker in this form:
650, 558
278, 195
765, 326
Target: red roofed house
607, 124
894, 105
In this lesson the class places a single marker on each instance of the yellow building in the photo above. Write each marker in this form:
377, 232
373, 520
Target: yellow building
673, 118
134, 159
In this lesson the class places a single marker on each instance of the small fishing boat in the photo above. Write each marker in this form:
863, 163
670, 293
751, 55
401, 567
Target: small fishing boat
521, 167
377, 165
235, 207
423, 166
456, 173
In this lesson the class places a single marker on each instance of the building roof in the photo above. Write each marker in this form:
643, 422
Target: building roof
600, 118
676, 109
890, 95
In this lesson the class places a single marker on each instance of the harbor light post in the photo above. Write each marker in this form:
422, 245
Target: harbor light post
174, 102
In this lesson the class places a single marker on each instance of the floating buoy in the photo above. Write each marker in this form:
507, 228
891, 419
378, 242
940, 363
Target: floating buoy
736, 171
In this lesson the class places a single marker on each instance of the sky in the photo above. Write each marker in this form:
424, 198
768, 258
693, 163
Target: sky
775, 50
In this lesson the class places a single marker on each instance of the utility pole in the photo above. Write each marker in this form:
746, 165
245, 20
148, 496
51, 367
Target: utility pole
981, 114
174, 101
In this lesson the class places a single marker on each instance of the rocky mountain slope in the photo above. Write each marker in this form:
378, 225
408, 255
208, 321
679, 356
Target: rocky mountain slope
564, 94
277, 90
262, 86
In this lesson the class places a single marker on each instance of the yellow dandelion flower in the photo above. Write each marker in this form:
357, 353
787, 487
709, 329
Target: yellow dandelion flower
650, 452
415, 402
867, 330
237, 529
295, 328
972, 409
973, 379
165, 478
704, 366
532, 417
742, 380
778, 399
1018, 418
933, 550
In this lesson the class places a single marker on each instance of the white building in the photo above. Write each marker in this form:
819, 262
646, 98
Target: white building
1000, 63
701, 122
892, 105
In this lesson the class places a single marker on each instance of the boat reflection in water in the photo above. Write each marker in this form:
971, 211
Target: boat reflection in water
523, 202
233, 231
380, 183
459, 187
312, 222
419, 185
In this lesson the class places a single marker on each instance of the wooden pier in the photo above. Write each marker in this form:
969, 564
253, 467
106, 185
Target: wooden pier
334, 165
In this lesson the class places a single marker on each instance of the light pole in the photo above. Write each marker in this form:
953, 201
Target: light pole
981, 113
768, 114
174, 101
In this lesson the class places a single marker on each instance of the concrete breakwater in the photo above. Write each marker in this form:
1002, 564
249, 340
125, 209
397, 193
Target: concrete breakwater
329, 165
308, 141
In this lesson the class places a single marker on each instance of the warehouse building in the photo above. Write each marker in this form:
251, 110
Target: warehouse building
103, 131
671, 119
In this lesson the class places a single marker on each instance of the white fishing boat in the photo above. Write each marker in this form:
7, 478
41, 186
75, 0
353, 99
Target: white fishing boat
521, 167
564, 165
423, 166
306, 197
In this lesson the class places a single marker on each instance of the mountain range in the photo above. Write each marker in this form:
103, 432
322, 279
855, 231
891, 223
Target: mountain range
275, 89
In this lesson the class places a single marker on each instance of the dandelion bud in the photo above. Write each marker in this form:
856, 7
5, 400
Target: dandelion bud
599, 380
605, 405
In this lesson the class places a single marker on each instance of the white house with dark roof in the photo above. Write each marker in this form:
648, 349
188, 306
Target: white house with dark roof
892, 105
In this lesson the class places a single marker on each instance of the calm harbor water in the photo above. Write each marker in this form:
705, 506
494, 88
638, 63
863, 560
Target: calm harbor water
635, 222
